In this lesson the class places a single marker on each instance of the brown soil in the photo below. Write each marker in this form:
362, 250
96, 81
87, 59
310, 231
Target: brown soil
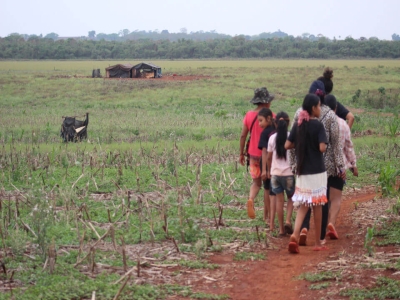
275, 277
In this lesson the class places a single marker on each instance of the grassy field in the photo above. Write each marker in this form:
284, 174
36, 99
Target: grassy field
160, 165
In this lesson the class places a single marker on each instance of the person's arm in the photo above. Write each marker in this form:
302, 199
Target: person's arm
350, 119
264, 166
243, 136
322, 147
348, 150
269, 164
289, 145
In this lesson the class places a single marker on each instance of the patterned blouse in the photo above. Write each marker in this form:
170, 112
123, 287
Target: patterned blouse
333, 157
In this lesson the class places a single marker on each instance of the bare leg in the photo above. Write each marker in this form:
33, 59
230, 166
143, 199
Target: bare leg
272, 211
266, 206
301, 213
255, 188
317, 209
279, 209
335, 197
289, 211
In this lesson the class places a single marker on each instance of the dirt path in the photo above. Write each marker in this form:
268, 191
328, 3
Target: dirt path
273, 278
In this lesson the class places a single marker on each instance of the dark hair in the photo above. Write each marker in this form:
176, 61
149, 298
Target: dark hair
328, 73
317, 87
326, 78
265, 112
310, 100
282, 123
331, 101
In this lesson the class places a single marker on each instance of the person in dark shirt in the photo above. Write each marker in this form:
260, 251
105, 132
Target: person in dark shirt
269, 196
309, 139
341, 110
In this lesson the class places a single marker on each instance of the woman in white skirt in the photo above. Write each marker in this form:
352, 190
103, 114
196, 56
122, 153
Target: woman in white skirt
309, 140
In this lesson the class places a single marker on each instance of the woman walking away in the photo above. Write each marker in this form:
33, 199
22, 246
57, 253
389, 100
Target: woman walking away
309, 140
341, 111
336, 183
280, 173
266, 122
262, 98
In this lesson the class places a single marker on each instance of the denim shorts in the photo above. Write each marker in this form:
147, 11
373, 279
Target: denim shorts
267, 186
279, 184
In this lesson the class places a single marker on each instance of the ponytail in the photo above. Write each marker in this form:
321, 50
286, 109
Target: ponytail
282, 123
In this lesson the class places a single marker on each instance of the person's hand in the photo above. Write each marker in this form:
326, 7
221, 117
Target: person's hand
354, 170
264, 176
269, 175
242, 159
342, 175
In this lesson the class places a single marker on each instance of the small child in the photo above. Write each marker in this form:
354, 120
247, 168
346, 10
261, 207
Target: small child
265, 120
280, 173
308, 137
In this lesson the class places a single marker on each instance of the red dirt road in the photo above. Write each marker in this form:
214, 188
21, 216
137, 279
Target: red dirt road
274, 278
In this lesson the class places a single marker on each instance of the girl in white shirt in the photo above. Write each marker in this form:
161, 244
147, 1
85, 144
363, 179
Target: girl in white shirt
280, 172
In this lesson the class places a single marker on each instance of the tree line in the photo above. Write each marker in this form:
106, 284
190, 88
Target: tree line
17, 47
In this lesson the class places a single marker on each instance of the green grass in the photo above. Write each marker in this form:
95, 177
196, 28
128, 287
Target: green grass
240, 256
385, 288
389, 234
165, 153
320, 276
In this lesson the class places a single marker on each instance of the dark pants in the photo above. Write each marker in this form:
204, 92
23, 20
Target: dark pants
335, 182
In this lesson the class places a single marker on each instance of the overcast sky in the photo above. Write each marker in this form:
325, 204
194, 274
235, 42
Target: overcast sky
332, 18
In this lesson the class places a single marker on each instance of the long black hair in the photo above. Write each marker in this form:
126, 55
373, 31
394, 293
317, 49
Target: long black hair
265, 112
310, 100
282, 123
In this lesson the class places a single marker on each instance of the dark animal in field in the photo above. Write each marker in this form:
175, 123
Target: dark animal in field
73, 130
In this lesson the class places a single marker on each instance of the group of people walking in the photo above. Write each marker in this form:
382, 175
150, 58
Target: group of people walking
308, 163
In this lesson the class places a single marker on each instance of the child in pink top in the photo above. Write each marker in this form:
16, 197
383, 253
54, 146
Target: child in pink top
280, 172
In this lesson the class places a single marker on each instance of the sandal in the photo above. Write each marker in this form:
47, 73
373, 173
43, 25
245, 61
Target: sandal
288, 228
250, 209
293, 248
303, 237
320, 248
332, 232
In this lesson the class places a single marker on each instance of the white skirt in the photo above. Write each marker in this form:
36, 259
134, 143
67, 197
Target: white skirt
310, 189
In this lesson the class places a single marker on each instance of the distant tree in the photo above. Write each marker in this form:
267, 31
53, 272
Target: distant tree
395, 37
124, 32
183, 30
165, 31
92, 34
52, 35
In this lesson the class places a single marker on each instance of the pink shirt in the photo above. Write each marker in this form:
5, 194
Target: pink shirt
279, 166
255, 132
346, 144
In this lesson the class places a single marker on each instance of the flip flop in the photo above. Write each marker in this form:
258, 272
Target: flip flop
321, 248
332, 232
288, 228
303, 237
250, 209
293, 248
